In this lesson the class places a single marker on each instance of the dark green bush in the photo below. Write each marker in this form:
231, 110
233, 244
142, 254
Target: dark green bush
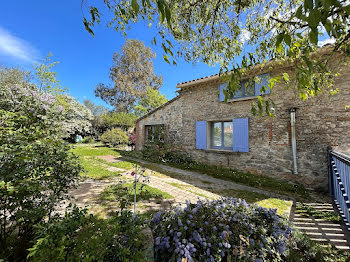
78, 237
165, 152
88, 139
114, 137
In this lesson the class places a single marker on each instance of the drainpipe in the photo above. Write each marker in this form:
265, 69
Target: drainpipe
294, 141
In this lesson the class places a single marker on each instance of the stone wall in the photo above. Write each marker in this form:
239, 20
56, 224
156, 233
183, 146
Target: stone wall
322, 122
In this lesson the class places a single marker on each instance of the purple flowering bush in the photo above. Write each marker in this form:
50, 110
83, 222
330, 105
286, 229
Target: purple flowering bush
219, 230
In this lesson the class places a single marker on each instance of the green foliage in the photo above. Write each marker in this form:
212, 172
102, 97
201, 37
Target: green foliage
114, 137
36, 167
78, 237
302, 249
132, 75
13, 76
150, 101
88, 140
95, 109
46, 78
118, 119
165, 152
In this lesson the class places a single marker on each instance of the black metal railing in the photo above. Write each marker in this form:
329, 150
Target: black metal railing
339, 182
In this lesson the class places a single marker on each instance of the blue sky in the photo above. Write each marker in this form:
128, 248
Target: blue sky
29, 30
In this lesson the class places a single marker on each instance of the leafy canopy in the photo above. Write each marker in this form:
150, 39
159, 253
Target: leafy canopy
150, 101
132, 75
254, 31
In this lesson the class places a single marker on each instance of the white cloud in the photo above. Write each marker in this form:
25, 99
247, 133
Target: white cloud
245, 36
16, 48
326, 41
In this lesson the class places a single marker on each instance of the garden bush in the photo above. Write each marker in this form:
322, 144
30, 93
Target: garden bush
221, 230
36, 167
165, 152
114, 137
78, 237
88, 140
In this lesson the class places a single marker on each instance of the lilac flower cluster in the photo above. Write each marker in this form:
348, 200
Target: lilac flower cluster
214, 230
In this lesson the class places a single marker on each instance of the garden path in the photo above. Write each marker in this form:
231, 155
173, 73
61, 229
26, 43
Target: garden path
201, 180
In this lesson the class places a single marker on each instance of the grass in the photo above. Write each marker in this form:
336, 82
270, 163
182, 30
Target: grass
93, 169
308, 211
113, 192
264, 182
283, 206
93, 150
189, 188
121, 164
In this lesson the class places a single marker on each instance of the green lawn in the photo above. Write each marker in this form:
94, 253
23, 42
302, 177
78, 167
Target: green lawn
113, 192
122, 164
93, 169
93, 150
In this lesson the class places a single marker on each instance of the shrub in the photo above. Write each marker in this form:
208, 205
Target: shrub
78, 237
36, 167
166, 153
88, 140
219, 230
114, 137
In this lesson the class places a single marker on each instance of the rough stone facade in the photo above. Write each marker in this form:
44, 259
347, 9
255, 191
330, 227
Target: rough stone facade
322, 122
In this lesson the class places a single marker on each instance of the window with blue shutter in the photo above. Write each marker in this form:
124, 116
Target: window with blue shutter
221, 92
262, 83
201, 135
240, 135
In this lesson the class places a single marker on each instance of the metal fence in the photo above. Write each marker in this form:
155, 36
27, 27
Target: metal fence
339, 183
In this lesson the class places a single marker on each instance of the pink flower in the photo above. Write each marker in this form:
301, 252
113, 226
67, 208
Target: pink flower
157, 146
132, 173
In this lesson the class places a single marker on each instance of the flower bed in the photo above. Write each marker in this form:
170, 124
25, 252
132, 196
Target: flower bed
219, 230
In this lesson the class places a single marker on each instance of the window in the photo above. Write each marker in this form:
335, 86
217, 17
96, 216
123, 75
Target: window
249, 88
222, 135
155, 133
229, 135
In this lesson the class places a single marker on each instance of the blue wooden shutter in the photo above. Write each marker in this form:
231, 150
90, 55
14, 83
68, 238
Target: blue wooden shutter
221, 92
264, 81
240, 135
201, 134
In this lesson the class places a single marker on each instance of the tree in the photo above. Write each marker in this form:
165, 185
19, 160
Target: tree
132, 74
46, 78
221, 31
13, 76
150, 101
95, 109
76, 116
36, 166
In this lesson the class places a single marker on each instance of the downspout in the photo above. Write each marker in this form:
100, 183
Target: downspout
294, 141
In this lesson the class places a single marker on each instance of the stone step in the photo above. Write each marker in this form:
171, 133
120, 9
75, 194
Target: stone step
340, 242
329, 235
324, 229
311, 223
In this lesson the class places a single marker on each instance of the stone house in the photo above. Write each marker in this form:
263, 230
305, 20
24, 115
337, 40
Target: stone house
292, 145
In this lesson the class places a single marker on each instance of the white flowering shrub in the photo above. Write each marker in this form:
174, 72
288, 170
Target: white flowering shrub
36, 166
